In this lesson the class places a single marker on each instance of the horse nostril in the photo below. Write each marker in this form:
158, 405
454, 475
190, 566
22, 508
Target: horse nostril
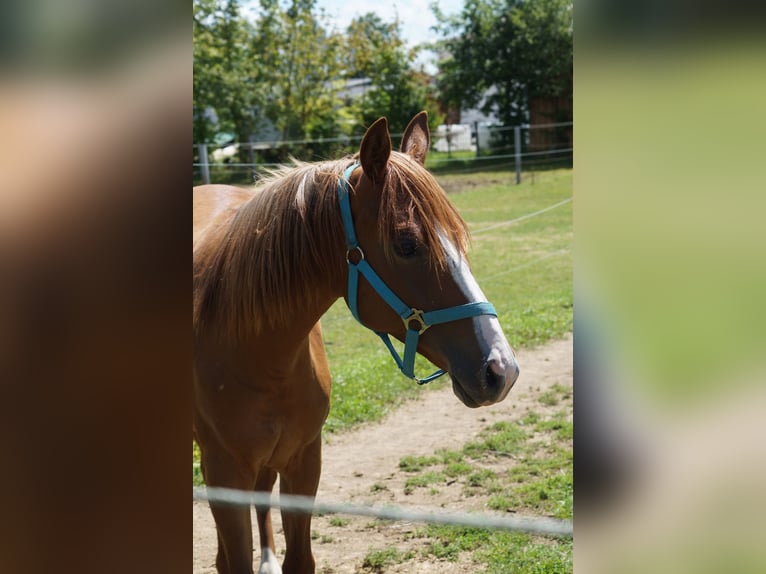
494, 379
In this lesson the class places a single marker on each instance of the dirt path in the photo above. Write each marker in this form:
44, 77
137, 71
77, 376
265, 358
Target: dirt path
362, 466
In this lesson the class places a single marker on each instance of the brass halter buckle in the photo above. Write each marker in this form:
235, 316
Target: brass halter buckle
417, 317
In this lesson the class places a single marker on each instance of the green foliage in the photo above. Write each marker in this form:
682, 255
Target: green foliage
223, 70
300, 66
507, 50
285, 70
375, 50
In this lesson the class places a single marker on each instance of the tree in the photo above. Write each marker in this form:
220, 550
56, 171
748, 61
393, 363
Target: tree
506, 52
375, 50
223, 71
299, 67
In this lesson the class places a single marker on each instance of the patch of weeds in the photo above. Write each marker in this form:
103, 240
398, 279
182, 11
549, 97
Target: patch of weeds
378, 487
425, 479
501, 502
454, 469
417, 463
552, 495
563, 429
339, 521
548, 398
524, 554
481, 478
326, 539
450, 541
502, 438
376, 560
564, 392
449, 456
530, 418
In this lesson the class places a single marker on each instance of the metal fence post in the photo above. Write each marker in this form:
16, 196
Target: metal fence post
517, 151
204, 165
476, 131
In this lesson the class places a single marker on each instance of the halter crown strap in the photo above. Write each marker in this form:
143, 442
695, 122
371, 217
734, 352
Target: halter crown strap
415, 320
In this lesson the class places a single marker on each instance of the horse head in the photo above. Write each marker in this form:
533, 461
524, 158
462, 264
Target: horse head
408, 244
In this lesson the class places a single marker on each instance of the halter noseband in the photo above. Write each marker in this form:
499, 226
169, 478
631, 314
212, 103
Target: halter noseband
415, 321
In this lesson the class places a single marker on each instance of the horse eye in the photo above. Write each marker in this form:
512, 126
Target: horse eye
406, 246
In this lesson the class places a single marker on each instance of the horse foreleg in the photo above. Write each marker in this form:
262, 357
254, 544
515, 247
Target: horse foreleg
269, 563
235, 533
301, 478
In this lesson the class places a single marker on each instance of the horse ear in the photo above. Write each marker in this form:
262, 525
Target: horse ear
375, 150
417, 139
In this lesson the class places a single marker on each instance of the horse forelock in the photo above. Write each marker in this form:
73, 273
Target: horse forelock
413, 200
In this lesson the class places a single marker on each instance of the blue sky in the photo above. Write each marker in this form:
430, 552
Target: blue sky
415, 16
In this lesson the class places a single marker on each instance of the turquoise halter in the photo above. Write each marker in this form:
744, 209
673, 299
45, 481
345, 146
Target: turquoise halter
415, 320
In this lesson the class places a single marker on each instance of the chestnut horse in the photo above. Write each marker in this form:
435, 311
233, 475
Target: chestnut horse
268, 263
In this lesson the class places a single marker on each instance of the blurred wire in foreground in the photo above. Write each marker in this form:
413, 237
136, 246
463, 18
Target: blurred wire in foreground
306, 504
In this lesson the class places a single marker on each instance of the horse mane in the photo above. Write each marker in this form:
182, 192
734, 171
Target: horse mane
244, 279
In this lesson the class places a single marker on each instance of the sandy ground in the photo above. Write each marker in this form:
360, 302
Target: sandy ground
362, 466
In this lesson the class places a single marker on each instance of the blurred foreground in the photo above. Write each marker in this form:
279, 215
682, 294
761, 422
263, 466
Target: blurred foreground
94, 344
670, 457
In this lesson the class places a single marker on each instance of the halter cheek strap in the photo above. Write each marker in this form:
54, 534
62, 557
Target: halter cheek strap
415, 321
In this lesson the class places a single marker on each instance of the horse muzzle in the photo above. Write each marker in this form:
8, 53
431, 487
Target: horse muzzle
487, 386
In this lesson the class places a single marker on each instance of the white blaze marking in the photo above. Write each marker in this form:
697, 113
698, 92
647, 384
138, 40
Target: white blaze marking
486, 327
269, 562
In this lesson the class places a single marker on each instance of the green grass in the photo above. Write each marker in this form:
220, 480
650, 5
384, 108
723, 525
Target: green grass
417, 463
423, 480
377, 560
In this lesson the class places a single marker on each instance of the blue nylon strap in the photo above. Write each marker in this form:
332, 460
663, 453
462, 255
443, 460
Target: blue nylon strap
353, 290
345, 208
410, 348
459, 312
399, 306
408, 370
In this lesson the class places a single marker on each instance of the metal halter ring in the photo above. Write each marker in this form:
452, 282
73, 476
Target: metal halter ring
361, 255
417, 316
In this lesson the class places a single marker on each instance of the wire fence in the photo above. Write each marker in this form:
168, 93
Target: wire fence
308, 505
454, 149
